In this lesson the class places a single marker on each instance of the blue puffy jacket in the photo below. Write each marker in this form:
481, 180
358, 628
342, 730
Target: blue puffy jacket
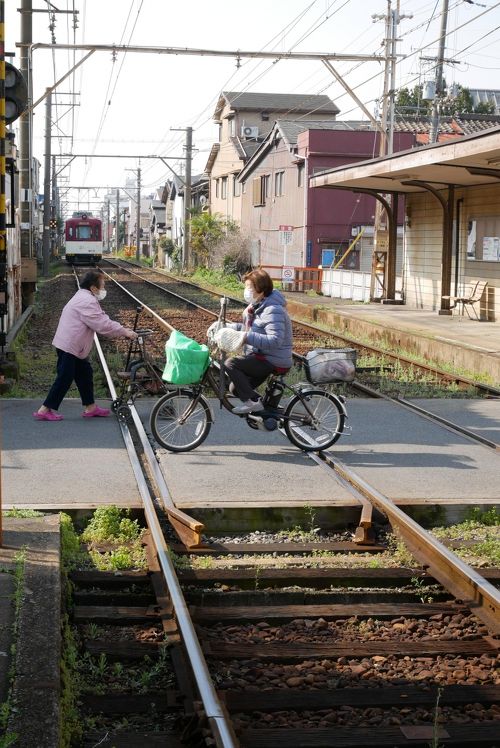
271, 330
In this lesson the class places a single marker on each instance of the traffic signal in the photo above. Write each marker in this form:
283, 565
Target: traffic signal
16, 93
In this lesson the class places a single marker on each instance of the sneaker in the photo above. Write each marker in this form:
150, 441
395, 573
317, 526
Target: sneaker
250, 406
101, 412
48, 416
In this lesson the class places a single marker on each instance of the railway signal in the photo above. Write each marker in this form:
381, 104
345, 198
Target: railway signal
16, 93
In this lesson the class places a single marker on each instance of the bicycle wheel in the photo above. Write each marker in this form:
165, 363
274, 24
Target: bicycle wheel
316, 426
179, 423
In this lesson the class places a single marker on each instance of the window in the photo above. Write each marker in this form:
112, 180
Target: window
216, 188
257, 192
331, 254
223, 190
232, 127
83, 232
236, 186
483, 239
261, 189
300, 175
267, 186
279, 180
243, 187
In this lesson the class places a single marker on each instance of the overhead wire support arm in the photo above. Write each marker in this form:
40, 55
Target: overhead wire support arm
201, 52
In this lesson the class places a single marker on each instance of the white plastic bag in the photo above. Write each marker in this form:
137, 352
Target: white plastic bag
229, 340
213, 329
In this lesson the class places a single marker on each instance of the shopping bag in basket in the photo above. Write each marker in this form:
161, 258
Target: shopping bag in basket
187, 360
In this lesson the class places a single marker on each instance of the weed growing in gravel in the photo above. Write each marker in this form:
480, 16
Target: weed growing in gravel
22, 513
422, 589
481, 533
6, 707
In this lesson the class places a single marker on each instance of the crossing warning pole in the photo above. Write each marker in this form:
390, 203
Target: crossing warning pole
3, 221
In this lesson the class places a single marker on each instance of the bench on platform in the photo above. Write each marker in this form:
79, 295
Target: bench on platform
469, 299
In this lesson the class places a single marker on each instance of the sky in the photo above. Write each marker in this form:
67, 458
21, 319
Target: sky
128, 105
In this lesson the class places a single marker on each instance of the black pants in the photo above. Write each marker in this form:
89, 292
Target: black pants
69, 369
247, 372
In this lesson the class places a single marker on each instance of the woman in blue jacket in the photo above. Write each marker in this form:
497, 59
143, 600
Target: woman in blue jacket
268, 335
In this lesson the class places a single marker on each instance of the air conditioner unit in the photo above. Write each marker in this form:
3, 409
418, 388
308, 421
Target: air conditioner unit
250, 132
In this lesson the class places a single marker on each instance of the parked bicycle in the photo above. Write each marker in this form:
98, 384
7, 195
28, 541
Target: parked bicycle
312, 418
141, 375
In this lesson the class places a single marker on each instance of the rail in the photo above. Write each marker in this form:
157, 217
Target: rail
459, 578
214, 710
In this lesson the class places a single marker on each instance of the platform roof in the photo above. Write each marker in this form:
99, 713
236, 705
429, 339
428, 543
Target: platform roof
468, 161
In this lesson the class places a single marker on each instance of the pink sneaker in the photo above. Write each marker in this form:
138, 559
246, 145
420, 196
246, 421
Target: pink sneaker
48, 416
102, 412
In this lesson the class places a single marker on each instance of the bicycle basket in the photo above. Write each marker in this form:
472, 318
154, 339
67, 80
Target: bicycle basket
187, 360
324, 365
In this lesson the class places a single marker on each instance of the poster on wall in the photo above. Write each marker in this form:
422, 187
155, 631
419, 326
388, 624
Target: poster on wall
471, 240
491, 248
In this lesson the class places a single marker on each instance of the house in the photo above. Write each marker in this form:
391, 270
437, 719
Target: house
157, 220
245, 119
452, 194
276, 194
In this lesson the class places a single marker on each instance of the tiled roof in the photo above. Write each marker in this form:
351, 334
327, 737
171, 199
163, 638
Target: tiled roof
279, 102
292, 128
463, 124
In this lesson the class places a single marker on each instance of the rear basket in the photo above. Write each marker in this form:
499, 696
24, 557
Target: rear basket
325, 365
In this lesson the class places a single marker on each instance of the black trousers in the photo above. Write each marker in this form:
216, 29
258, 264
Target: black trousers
247, 372
69, 369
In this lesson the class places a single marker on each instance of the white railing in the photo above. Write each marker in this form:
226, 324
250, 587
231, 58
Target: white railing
351, 284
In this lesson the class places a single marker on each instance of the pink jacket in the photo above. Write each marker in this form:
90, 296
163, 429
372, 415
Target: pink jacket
80, 318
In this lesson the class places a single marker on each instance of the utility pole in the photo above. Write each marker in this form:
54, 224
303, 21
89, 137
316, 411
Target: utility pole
187, 199
434, 133
25, 150
138, 229
117, 232
53, 209
108, 216
46, 187
186, 244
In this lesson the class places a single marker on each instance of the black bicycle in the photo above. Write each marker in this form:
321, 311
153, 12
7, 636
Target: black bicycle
312, 418
141, 375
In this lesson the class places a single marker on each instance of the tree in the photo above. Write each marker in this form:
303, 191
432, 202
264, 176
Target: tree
217, 242
410, 102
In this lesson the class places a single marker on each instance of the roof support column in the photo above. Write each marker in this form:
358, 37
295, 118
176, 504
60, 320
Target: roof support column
384, 257
393, 246
446, 253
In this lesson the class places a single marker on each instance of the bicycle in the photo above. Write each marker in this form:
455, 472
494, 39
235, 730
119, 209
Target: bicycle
312, 419
141, 376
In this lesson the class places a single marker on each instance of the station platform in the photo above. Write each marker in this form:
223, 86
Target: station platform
472, 345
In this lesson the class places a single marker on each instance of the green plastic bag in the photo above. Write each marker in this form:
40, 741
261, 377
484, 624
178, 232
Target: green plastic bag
187, 360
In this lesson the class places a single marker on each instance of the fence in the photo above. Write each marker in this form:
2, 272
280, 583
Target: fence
351, 284
303, 278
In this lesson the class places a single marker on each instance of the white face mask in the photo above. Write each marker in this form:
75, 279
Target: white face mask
248, 295
101, 294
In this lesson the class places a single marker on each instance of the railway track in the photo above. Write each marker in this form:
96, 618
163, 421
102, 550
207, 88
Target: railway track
196, 327
209, 301
294, 656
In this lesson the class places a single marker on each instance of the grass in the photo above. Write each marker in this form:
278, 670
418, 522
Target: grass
7, 739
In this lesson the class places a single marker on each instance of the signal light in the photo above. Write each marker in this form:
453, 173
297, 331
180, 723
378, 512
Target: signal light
16, 93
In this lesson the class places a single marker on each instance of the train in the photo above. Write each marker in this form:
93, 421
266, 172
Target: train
83, 236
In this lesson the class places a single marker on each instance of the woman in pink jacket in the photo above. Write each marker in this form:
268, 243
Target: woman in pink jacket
80, 319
